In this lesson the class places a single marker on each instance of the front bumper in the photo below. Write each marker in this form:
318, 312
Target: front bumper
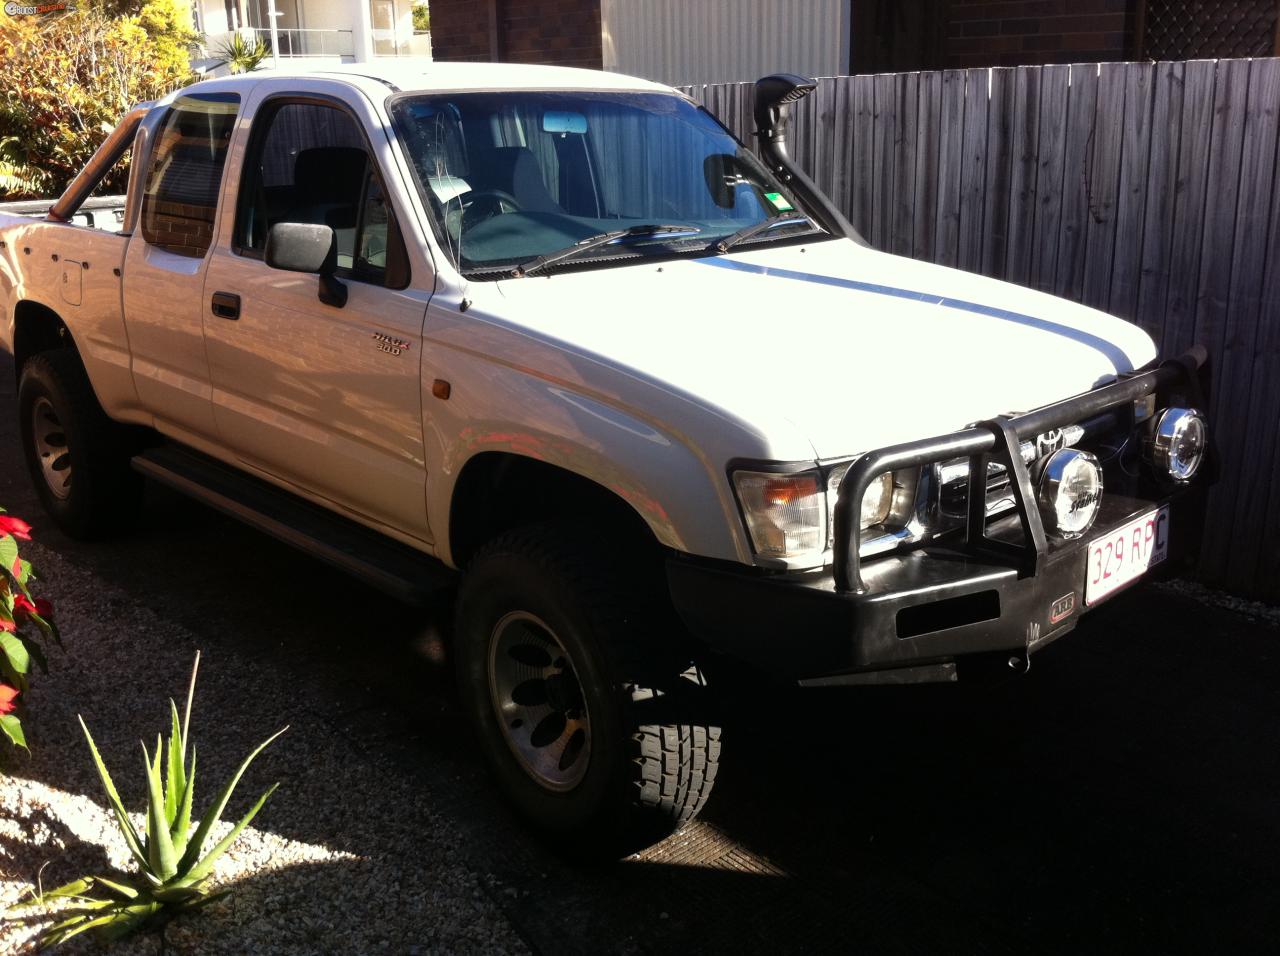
979, 601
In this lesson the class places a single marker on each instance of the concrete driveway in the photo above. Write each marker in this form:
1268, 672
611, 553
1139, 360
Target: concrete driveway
1123, 797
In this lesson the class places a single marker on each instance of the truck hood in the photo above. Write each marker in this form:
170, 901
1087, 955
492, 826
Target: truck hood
853, 348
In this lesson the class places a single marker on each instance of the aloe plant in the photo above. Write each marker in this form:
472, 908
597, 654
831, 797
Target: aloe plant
173, 865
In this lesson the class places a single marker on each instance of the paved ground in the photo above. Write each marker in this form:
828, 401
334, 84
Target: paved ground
1123, 797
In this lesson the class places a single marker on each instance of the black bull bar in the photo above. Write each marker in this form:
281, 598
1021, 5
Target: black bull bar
997, 440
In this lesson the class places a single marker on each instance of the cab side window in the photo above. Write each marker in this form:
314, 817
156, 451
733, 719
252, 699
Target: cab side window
180, 196
308, 163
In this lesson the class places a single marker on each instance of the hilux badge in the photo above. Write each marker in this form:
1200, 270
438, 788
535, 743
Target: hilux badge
391, 346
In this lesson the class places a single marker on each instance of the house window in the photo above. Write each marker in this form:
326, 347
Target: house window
384, 17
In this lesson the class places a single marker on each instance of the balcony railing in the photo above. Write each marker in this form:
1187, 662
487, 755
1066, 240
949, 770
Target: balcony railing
299, 42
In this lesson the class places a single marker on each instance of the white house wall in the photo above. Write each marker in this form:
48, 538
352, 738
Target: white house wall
711, 41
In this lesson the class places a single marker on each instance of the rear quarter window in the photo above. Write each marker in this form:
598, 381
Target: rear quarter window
180, 197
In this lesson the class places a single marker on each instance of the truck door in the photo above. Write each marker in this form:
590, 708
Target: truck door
166, 261
321, 397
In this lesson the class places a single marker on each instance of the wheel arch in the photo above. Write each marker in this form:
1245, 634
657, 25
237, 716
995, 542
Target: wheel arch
497, 491
37, 328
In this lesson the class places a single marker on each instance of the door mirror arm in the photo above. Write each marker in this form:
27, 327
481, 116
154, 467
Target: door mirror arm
310, 248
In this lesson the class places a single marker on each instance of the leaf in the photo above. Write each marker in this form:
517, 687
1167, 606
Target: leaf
11, 676
12, 728
8, 554
122, 818
164, 862
15, 651
210, 819
175, 782
182, 826
120, 889
205, 866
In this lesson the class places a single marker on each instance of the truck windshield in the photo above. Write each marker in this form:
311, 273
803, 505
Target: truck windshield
513, 177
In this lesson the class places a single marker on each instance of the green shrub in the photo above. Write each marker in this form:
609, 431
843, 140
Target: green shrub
67, 81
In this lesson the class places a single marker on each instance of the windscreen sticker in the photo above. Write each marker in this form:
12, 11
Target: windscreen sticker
779, 201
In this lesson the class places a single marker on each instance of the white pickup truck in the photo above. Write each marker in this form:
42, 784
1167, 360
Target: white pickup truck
557, 334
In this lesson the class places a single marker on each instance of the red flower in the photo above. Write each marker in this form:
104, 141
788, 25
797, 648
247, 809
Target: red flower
22, 607
7, 696
7, 625
16, 527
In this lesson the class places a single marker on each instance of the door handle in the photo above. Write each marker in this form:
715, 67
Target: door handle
226, 305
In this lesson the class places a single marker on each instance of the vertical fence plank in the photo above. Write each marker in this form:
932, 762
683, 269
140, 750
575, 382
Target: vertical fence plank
1082, 115
886, 132
1188, 221
1025, 143
973, 174
950, 162
924, 241
1162, 176
1102, 183
843, 155
1055, 92
995, 215
864, 184
1131, 201
901, 228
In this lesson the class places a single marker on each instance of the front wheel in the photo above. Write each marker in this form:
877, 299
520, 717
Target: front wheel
589, 710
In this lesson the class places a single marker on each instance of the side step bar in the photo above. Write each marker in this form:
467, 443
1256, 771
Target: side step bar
392, 567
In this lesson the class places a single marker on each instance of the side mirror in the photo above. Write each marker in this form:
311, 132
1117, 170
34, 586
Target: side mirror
305, 247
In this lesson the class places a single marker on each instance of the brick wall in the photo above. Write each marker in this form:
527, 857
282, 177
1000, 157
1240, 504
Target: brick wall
460, 29
1020, 32
560, 32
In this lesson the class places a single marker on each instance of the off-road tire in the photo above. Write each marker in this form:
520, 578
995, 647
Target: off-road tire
655, 748
104, 492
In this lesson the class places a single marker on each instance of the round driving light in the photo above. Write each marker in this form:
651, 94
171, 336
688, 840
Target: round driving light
1070, 492
1181, 438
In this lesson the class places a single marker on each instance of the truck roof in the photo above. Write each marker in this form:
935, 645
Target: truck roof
428, 76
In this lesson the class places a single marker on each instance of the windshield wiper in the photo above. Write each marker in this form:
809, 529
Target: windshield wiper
750, 232
595, 242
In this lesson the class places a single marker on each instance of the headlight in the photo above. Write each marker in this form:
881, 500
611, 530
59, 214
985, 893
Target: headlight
877, 503
785, 514
1181, 437
792, 515
1070, 492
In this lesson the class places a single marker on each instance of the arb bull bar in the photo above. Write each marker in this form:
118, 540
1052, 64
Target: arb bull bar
996, 440
977, 601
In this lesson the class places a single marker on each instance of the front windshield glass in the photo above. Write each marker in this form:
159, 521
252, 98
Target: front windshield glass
510, 177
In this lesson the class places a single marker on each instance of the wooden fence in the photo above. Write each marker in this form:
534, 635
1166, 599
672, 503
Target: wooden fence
1148, 190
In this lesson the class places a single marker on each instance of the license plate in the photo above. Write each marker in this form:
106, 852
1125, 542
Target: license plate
1124, 554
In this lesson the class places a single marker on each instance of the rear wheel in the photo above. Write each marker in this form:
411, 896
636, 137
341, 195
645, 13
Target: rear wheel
78, 458
591, 713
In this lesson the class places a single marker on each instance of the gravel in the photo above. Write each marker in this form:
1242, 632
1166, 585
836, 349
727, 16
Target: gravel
350, 854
